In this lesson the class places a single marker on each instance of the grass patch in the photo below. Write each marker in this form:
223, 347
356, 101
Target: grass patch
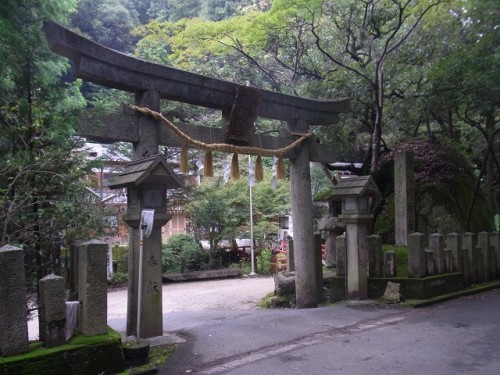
263, 302
401, 253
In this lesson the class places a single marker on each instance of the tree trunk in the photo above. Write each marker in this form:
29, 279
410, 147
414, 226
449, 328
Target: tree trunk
377, 123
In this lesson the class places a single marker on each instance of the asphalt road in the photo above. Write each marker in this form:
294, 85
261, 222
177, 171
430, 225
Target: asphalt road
455, 337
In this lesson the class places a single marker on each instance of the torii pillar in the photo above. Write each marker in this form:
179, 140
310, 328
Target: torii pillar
306, 288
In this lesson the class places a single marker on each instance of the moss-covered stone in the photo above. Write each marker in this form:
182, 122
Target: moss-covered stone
82, 355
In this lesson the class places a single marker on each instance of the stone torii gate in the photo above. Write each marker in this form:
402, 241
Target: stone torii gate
152, 82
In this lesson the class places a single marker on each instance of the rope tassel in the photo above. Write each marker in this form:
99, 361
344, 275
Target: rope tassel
259, 169
209, 164
184, 161
235, 168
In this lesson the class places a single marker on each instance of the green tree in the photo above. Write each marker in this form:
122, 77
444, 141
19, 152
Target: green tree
221, 211
41, 186
312, 48
463, 91
107, 22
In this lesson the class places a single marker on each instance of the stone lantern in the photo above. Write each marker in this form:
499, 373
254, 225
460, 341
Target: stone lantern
147, 181
359, 196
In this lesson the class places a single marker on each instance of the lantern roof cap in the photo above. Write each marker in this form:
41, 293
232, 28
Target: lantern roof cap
150, 170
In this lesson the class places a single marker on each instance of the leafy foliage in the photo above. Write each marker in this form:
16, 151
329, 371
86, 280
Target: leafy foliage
43, 201
182, 250
221, 211
444, 185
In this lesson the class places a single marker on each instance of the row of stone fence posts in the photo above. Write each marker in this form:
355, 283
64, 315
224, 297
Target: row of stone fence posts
475, 256
57, 318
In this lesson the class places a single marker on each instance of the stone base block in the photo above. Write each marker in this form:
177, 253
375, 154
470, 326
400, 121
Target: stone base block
81, 355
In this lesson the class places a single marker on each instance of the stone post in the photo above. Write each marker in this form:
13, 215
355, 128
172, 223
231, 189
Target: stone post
390, 267
303, 236
448, 261
416, 255
469, 242
375, 256
454, 243
483, 241
404, 193
341, 248
290, 259
436, 244
430, 263
330, 255
52, 328
151, 319
480, 266
466, 268
92, 288
13, 323
357, 229
319, 264
73, 271
495, 243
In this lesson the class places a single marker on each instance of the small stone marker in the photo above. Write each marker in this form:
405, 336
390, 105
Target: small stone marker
430, 264
495, 243
469, 242
392, 293
13, 323
486, 251
53, 311
454, 243
448, 261
390, 268
416, 255
375, 256
92, 288
341, 245
436, 244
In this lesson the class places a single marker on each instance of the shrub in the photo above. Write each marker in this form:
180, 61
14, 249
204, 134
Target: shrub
183, 248
264, 262
118, 279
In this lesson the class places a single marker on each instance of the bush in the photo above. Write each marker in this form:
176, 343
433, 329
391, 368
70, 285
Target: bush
118, 279
120, 256
264, 264
183, 248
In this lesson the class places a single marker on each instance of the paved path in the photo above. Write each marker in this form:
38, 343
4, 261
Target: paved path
354, 338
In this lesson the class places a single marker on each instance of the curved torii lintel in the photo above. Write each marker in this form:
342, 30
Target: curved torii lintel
107, 67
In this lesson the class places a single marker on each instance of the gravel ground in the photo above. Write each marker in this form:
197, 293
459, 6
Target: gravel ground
210, 295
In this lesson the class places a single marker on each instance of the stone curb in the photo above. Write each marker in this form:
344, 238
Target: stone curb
447, 297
